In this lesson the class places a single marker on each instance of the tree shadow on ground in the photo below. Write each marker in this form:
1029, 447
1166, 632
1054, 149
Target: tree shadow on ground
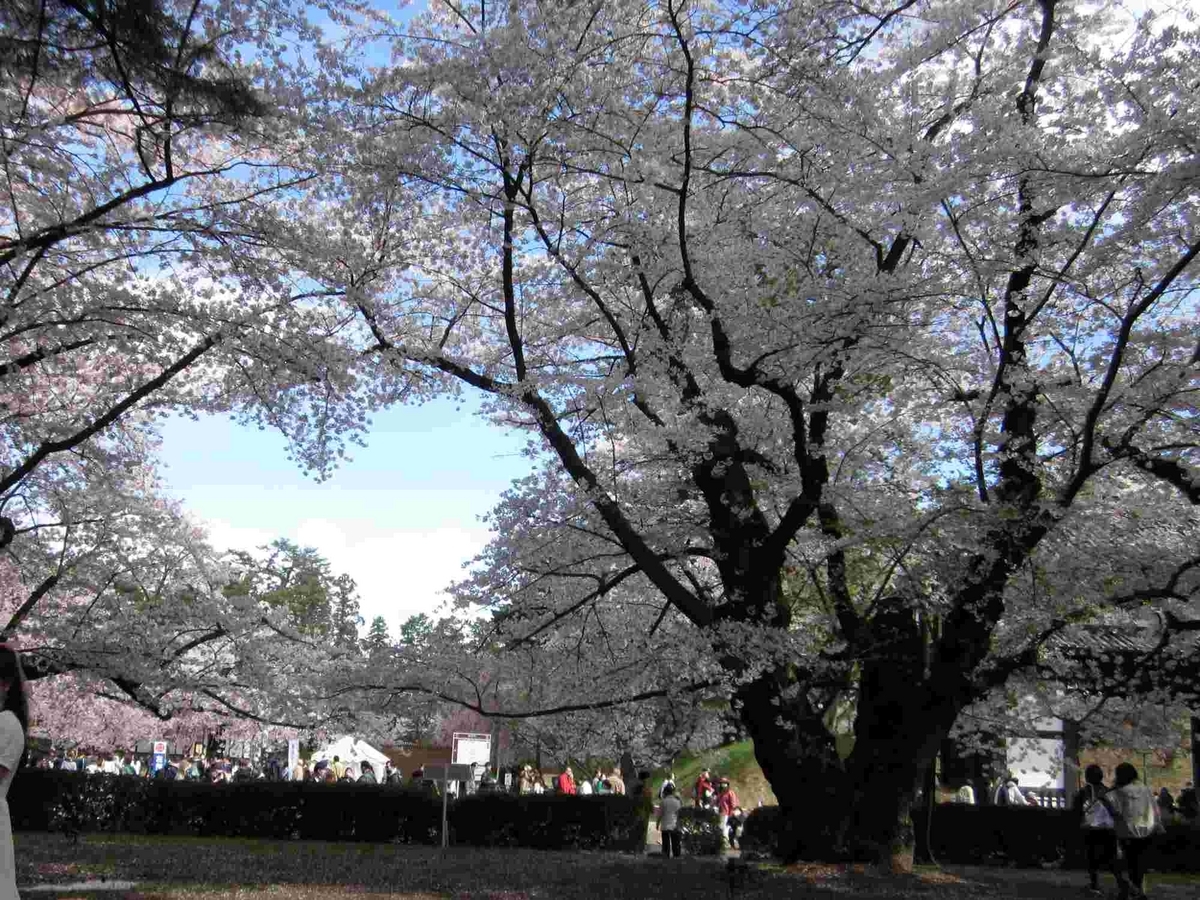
181, 868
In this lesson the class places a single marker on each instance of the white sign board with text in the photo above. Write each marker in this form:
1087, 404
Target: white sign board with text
470, 748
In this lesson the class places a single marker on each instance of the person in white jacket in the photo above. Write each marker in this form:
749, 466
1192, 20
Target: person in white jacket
668, 822
1135, 813
1008, 794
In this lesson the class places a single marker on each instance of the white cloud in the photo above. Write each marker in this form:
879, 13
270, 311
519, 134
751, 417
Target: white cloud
400, 572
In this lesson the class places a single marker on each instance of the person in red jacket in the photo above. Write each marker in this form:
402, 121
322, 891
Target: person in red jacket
727, 802
566, 781
702, 792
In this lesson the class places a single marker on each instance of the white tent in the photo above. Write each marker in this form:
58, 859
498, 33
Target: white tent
353, 751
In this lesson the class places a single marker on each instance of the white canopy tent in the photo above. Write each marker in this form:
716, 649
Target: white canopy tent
349, 750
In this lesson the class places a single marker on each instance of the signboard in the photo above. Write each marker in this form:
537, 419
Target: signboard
158, 756
293, 753
449, 773
470, 748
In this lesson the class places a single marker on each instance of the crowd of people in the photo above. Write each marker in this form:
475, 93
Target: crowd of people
531, 781
223, 770
715, 794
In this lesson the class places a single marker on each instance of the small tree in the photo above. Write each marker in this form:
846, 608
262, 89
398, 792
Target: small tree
378, 640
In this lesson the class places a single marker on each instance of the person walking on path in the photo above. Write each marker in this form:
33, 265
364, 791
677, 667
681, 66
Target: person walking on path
727, 802
1097, 826
1135, 812
668, 822
14, 722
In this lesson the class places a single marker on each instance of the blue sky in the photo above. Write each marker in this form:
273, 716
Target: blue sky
401, 518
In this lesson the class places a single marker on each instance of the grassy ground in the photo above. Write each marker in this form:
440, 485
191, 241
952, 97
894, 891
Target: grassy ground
734, 761
199, 869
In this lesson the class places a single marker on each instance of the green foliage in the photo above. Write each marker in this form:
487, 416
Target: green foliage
761, 833
283, 575
550, 822
735, 761
72, 802
378, 637
700, 832
416, 630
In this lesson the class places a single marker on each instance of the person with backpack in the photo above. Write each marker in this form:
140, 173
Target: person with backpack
1135, 811
1097, 826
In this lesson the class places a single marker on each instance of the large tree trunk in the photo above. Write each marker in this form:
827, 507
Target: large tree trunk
860, 809
857, 810
799, 759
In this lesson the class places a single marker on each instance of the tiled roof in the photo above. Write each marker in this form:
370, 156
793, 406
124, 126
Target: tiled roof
1101, 638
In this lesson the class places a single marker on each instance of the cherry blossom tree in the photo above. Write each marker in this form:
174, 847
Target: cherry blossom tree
140, 610
140, 142
883, 297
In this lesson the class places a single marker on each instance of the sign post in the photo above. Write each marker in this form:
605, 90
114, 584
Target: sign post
447, 774
158, 757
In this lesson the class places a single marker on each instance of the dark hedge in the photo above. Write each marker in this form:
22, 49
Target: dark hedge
73, 802
699, 831
550, 821
1023, 836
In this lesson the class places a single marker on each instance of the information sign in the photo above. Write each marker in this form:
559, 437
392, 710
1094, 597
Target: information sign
470, 748
158, 758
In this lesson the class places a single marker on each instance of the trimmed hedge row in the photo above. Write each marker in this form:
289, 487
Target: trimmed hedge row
1024, 836
700, 831
74, 802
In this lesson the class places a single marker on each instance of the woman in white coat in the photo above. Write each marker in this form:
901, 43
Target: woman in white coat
14, 720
